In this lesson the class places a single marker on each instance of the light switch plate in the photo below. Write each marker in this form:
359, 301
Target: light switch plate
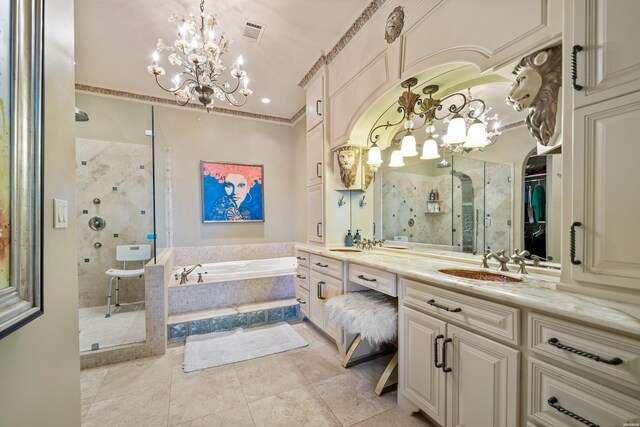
60, 213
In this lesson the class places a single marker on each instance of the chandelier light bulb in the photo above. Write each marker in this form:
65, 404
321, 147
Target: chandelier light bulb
477, 136
456, 132
375, 156
430, 149
245, 82
176, 81
240, 62
156, 57
396, 159
408, 146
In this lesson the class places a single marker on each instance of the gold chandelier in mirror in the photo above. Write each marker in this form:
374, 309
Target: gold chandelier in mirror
468, 126
198, 51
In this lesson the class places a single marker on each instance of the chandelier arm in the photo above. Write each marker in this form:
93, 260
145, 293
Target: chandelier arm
478, 113
234, 103
453, 109
224, 90
162, 87
183, 84
385, 126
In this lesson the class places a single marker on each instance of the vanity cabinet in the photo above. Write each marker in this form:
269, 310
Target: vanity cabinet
326, 281
605, 112
315, 214
315, 101
315, 152
302, 280
454, 375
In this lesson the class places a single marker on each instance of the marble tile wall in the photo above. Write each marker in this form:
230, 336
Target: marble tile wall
185, 298
189, 255
409, 193
498, 206
119, 174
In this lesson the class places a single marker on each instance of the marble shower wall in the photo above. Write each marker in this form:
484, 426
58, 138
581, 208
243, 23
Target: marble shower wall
119, 174
498, 207
405, 197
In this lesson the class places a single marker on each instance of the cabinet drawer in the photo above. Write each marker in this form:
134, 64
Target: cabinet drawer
552, 388
302, 278
326, 265
302, 295
303, 258
569, 340
494, 319
375, 279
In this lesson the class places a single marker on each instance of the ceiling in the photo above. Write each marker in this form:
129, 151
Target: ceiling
114, 41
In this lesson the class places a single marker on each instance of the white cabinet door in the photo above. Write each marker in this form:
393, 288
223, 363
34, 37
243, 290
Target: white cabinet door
315, 222
329, 289
419, 380
315, 102
482, 386
316, 304
609, 64
315, 152
605, 188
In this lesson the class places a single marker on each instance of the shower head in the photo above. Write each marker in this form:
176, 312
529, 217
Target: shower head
81, 116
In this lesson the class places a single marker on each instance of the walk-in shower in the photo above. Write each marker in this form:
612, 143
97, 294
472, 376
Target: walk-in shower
467, 210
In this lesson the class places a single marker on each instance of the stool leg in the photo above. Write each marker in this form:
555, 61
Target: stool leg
118, 292
109, 298
386, 374
352, 349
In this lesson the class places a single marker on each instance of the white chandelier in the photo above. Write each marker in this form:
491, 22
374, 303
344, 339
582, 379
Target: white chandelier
198, 51
466, 130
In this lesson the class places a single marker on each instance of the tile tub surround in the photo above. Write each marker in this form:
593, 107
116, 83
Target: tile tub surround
119, 174
284, 389
205, 254
535, 291
201, 296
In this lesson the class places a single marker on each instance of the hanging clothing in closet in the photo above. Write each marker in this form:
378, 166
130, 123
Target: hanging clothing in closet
528, 208
538, 202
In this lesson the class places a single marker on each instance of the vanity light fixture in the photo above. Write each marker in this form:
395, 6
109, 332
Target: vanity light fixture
198, 51
466, 129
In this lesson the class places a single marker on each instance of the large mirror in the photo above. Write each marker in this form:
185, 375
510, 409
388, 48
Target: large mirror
484, 197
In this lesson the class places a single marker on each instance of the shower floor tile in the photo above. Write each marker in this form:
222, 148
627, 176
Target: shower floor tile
125, 326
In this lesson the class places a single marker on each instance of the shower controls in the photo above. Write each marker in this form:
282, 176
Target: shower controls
96, 201
97, 245
97, 223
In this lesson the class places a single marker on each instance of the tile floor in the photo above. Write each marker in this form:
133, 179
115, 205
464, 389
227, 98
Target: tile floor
125, 326
302, 387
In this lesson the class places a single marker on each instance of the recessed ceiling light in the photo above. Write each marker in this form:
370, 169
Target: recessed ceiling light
266, 100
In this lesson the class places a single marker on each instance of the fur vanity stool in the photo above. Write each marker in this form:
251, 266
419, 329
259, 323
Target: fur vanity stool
373, 316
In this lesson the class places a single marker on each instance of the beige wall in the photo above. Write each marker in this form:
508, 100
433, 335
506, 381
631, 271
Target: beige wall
192, 136
39, 363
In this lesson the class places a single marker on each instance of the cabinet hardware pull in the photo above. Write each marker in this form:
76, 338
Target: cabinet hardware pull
574, 66
320, 290
319, 264
556, 343
572, 242
318, 101
433, 303
300, 301
301, 258
553, 402
361, 277
435, 352
318, 225
301, 277
445, 368
318, 174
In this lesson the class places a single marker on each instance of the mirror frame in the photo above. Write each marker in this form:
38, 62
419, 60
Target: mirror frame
22, 300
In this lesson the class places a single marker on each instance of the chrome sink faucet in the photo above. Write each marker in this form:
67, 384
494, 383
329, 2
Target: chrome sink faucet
501, 258
518, 258
184, 276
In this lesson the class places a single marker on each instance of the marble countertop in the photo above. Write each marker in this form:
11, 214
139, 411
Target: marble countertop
536, 291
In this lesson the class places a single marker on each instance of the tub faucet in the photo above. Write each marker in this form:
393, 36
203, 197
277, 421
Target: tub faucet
184, 276
501, 258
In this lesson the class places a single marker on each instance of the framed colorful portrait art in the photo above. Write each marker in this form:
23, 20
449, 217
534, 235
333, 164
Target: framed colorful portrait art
232, 192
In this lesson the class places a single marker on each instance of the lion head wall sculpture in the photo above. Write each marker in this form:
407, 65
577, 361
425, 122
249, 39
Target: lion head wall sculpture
537, 86
349, 162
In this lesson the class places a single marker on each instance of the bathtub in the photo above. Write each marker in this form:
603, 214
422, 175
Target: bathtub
239, 270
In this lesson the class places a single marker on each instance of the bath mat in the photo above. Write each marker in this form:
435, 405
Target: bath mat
222, 348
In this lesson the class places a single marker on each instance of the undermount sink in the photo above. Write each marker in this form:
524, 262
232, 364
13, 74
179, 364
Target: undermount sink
480, 275
345, 250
